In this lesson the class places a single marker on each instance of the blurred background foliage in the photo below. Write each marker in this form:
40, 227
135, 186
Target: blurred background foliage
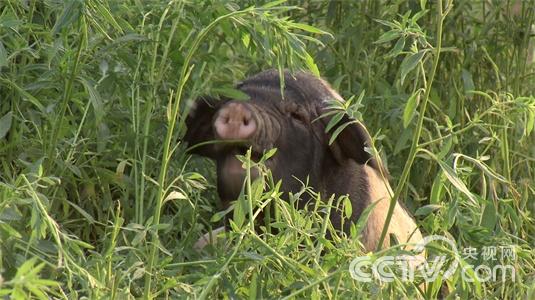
88, 89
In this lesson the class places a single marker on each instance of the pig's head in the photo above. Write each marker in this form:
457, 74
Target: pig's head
289, 122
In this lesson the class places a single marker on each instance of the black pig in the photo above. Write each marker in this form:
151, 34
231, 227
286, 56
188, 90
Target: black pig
290, 123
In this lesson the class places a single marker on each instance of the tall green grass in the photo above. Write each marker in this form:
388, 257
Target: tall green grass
99, 199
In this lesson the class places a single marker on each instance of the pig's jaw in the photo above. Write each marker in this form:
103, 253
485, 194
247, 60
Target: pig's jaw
232, 173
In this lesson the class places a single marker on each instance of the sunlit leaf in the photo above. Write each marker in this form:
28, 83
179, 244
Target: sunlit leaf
231, 93
456, 181
175, 195
308, 28
410, 108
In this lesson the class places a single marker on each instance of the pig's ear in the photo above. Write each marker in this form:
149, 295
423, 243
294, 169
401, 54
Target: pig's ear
199, 126
353, 142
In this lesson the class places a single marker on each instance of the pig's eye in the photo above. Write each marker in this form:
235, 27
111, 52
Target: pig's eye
296, 113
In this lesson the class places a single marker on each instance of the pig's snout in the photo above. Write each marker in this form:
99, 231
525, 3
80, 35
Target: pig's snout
234, 121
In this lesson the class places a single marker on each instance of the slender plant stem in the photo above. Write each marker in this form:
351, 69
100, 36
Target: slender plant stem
66, 97
249, 189
184, 75
315, 283
216, 276
418, 130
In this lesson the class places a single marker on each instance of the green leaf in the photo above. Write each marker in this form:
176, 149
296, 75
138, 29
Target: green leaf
530, 122
232, 93
240, 210
273, 3
130, 37
70, 13
10, 213
175, 195
10, 231
85, 214
363, 219
218, 216
482, 166
398, 47
5, 124
26, 267
403, 139
348, 208
83, 244
388, 36
309, 28
427, 209
26, 95
422, 4
445, 148
410, 62
253, 293
333, 121
267, 155
451, 215
246, 39
94, 97
488, 218
339, 130
468, 83
410, 108
436, 188
139, 237
3, 55
36, 291
418, 15
513, 214
389, 24
5, 292
452, 177
257, 187
107, 15
312, 67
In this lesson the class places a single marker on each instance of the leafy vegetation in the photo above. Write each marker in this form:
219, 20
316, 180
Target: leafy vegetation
99, 199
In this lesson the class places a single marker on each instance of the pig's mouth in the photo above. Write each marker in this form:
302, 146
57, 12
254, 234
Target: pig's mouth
232, 166
232, 172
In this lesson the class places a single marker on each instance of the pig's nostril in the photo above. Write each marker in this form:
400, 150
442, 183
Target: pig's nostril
247, 117
234, 121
